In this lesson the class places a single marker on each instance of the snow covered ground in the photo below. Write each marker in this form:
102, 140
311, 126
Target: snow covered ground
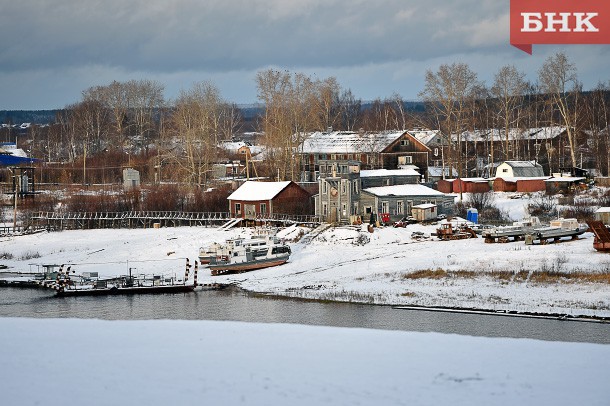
93, 362
346, 263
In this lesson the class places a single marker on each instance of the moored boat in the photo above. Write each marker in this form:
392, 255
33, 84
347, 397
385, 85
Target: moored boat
243, 255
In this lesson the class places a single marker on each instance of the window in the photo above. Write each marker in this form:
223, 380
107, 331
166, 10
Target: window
344, 209
386, 182
399, 207
355, 188
324, 187
385, 207
238, 208
435, 151
505, 170
263, 208
324, 209
343, 187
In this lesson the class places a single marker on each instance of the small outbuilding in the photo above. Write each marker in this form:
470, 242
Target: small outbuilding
424, 212
562, 184
603, 214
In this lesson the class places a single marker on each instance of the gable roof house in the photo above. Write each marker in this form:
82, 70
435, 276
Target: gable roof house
375, 150
519, 169
262, 200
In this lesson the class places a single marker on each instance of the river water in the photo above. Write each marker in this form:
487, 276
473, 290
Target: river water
236, 305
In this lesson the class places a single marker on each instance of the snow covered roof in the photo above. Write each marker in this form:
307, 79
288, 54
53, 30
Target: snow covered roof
254, 191
403, 190
372, 173
522, 164
541, 133
565, 179
603, 210
425, 136
517, 178
424, 206
349, 142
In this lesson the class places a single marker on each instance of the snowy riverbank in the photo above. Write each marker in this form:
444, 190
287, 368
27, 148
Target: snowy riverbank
76, 362
350, 264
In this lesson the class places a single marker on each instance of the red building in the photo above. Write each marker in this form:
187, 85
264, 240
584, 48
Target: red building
254, 200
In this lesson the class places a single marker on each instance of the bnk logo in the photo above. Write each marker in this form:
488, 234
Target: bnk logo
559, 22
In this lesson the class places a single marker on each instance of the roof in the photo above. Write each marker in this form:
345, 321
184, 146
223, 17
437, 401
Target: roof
252, 191
349, 142
372, 173
403, 190
565, 179
537, 134
425, 136
603, 210
523, 178
424, 206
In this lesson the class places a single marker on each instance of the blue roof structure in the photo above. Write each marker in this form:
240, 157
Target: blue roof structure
12, 160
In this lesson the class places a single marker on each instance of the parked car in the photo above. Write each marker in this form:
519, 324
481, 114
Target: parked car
441, 217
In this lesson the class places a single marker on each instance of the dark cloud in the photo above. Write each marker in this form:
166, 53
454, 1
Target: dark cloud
377, 47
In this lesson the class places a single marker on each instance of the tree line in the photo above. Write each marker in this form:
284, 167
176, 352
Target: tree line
133, 124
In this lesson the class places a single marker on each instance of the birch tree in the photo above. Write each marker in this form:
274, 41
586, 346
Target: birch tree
558, 79
447, 93
508, 90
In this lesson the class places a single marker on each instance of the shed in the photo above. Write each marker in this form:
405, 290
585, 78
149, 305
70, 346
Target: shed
562, 184
254, 200
424, 212
464, 185
523, 185
603, 214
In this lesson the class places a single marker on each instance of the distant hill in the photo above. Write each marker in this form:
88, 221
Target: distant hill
27, 116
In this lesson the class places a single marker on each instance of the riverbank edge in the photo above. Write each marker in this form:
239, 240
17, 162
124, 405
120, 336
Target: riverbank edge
456, 309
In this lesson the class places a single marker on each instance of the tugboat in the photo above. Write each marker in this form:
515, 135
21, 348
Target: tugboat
243, 255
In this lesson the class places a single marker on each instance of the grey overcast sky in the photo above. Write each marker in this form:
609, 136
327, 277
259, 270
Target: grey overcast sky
53, 50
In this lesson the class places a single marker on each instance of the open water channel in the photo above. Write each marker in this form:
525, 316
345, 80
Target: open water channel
236, 305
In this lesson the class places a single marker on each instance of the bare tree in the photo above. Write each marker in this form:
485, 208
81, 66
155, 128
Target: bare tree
294, 105
447, 93
508, 90
559, 81
198, 122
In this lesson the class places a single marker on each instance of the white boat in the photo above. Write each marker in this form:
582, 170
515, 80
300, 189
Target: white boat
557, 229
248, 254
517, 231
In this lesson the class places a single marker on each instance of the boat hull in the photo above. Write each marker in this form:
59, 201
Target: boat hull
134, 290
601, 246
225, 268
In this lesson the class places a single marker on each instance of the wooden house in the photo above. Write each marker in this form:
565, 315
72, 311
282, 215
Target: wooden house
398, 201
254, 200
374, 150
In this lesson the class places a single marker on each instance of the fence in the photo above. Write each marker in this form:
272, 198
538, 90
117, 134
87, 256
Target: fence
54, 221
